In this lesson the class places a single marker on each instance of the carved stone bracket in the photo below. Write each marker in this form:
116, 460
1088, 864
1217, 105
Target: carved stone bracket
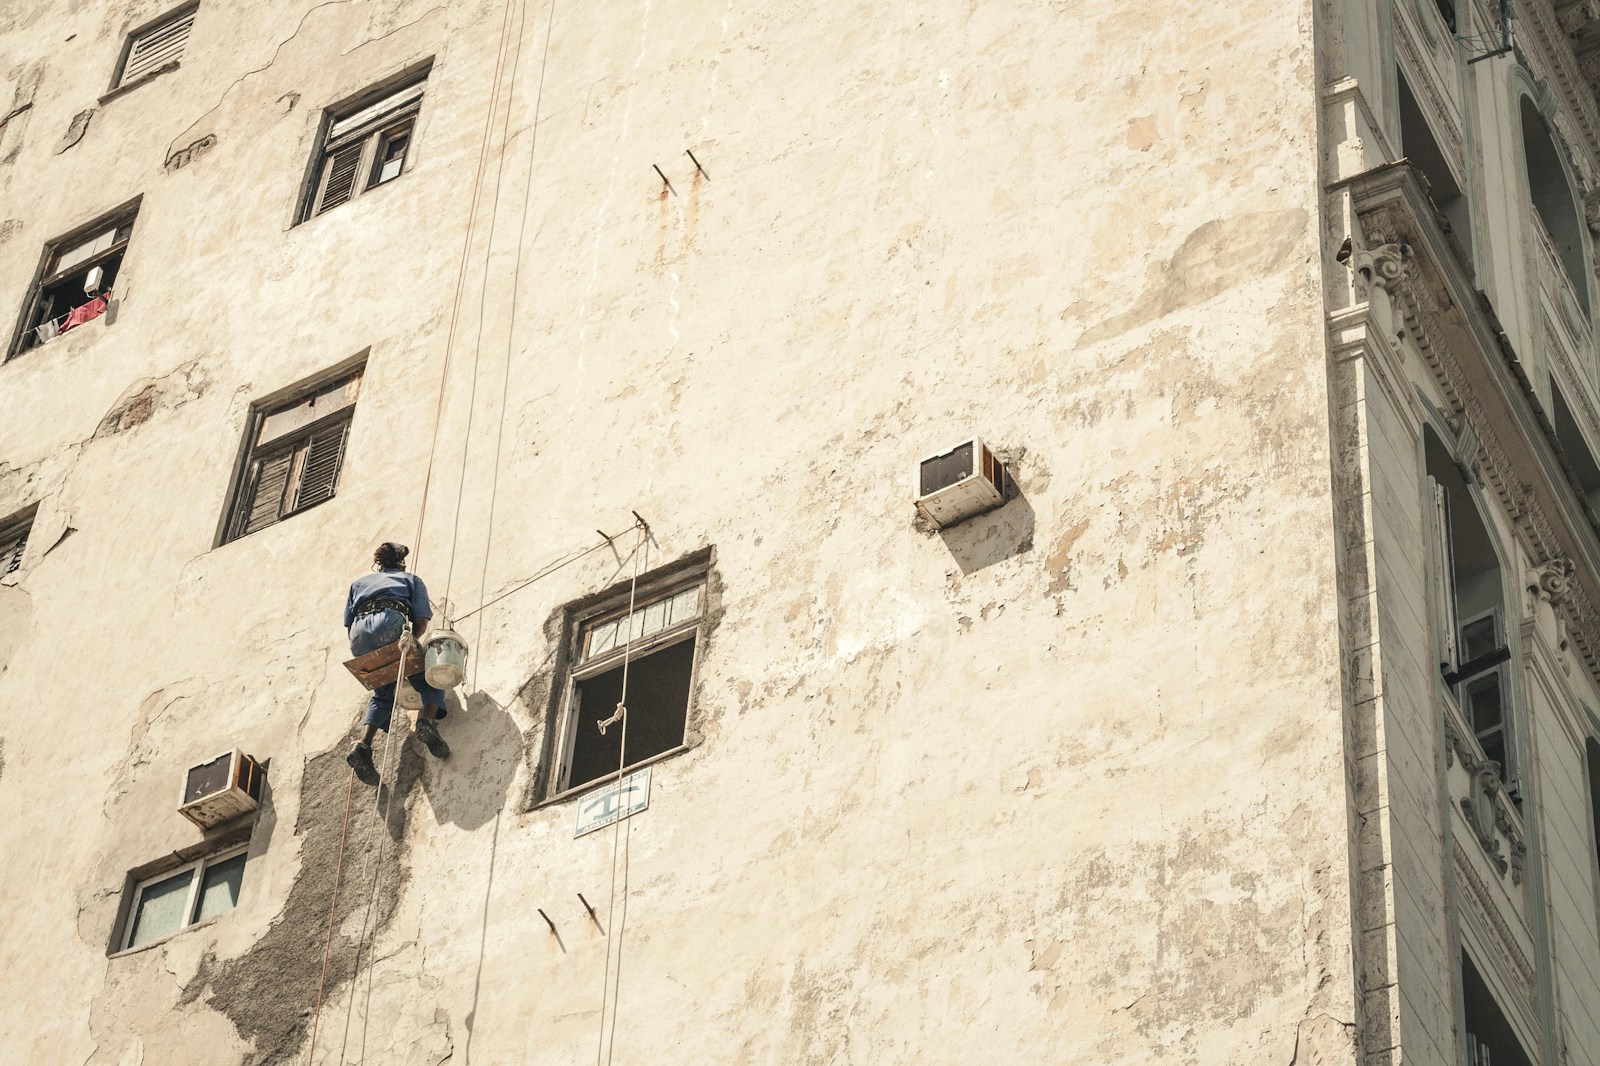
1385, 267
1552, 580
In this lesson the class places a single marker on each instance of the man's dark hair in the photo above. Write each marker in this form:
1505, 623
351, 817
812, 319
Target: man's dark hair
391, 556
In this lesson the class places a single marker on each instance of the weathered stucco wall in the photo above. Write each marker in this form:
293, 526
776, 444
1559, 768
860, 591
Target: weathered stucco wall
1063, 784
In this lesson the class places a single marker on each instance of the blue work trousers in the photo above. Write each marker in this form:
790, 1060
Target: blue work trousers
371, 632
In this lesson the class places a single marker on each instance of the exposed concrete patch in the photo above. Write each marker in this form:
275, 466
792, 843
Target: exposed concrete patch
1322, 1040
270, 991
75, 131
183, 157
146, 396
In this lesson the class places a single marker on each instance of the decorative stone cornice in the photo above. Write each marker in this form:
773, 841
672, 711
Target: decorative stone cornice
1505, 941
1491, 397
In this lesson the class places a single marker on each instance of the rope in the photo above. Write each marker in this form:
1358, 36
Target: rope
511, 324
461, 277
385, 774
333, 904
606, 995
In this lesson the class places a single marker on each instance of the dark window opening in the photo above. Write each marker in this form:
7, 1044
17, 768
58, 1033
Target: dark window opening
1580, 461
659, 639
1591, 751
1476, 653
1554, 202
1491, 1041
295, 457
1447, 8
14, 541
658, 709
365, 144
1421, 147
78, 278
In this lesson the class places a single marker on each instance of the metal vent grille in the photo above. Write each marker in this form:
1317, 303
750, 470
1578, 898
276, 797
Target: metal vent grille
156, 47
942, 471
208, 778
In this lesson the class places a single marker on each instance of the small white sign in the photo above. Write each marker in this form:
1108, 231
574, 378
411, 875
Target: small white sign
620, 799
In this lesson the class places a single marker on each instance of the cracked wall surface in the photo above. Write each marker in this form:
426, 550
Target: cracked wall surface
1062, 784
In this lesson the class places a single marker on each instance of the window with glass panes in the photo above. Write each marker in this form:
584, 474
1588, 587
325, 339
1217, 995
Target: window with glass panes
365, 145
658, 640
176, 899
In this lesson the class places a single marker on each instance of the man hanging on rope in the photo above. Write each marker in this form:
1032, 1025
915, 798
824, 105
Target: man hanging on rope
376, 614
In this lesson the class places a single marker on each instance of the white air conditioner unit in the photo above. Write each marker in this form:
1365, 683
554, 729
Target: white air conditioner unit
221, 789
954, 485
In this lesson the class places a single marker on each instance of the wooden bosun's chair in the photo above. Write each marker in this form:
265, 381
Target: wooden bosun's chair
382, 666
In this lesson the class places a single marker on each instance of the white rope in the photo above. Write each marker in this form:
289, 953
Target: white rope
614, 928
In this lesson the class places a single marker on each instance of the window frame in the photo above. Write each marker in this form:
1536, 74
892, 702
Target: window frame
369, 137
612, 605
49, 272
196, 869
229, 527
119, 82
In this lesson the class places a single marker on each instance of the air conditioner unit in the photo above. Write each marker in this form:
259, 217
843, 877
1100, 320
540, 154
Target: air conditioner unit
967, 480
222, 789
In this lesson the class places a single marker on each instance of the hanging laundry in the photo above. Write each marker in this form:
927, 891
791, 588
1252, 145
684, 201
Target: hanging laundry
46, 332
86, 312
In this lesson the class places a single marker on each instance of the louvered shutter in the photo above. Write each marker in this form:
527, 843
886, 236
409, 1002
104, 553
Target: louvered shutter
341, 168
12, 544
270, 486
1444, 566
157, 47
324, 456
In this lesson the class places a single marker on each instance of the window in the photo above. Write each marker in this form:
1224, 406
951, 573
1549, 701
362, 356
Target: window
1421, 147
14, 541
364, 145
1475, 655
1490, 1038
76, 280
1559, 219
154, 48
175, 899
295, 452
1447, 8
664, 629
1580, 460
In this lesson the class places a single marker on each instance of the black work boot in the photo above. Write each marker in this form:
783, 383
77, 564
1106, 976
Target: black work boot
360, 760
428, 733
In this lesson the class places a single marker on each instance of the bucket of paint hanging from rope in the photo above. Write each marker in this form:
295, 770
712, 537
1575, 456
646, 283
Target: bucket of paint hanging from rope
446, 659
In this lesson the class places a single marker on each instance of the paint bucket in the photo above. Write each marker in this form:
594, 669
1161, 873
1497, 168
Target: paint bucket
446, 659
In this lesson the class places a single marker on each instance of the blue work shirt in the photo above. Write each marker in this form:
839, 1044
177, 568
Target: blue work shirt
391, 585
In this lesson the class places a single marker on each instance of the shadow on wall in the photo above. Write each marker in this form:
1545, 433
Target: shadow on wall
469, 789
1003, 533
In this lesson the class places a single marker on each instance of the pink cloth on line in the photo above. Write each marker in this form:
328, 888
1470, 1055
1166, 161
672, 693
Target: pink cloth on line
85, 313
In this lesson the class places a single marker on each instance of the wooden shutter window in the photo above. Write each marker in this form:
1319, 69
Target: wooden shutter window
319, 475
156, 47
269, 484
339, 176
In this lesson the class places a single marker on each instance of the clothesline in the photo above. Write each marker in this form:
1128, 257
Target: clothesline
49, 329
